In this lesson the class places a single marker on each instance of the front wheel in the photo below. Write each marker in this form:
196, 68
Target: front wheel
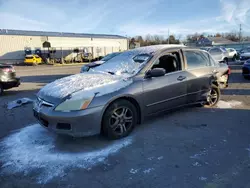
213, 97
226, 61
119, 119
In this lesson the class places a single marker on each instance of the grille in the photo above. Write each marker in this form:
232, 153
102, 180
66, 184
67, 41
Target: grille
42, 102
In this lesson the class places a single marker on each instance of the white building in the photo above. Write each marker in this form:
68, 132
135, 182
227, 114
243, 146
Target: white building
14, 42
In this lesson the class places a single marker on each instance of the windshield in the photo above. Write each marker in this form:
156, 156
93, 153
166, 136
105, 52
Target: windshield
129, 62
109, 56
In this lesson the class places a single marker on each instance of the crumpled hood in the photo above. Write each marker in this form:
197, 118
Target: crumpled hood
84, 82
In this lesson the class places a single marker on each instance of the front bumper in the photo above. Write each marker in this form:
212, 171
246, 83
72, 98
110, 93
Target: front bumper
78, 124
11, 83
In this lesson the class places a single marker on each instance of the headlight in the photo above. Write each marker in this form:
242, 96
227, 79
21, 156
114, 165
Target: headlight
74, 105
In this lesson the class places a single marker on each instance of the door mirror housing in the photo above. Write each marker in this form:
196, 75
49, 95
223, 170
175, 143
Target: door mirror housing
156, 72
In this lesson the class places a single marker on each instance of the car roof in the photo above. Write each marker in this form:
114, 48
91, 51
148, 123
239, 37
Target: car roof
156, 48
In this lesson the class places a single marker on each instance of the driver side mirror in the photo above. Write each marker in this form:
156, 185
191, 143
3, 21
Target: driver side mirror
156, 72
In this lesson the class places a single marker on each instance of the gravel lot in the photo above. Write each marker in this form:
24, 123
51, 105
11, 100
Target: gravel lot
190, 147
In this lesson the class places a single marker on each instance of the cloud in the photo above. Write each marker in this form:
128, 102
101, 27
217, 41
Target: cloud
236, 11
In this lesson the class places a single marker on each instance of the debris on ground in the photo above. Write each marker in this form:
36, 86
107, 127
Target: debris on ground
134, 171
18, 102
147, 171
202, 178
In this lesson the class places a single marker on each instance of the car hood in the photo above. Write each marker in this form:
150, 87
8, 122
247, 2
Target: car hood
81, 85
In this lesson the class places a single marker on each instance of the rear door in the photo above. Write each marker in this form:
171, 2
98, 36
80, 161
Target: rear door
201, 73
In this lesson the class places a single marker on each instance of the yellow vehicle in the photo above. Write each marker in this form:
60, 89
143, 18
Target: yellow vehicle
32, 59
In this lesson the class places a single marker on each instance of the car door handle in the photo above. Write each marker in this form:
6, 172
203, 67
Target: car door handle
180, 78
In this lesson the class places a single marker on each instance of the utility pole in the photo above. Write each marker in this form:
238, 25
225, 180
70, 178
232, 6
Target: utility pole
240, 33
168, 36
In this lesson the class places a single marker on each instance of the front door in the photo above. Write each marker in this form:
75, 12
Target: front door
168, 91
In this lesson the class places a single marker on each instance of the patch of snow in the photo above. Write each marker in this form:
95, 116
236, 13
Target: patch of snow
85, 84
196, 164
248, 149
134, 171
18, 102
203, 178
228, 104
198, 155
160, 158
147, 171
33, 148
151, 158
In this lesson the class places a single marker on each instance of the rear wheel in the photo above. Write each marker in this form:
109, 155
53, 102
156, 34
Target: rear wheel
226, 60
213, 97
234, 58
119, 119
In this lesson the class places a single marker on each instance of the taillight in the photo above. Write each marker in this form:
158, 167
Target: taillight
8, 70
229, 71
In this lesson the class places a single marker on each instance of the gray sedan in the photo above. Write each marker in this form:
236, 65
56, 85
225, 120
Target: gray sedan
114, 97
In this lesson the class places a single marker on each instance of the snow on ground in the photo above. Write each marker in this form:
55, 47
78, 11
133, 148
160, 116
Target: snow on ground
228, 104
34, 149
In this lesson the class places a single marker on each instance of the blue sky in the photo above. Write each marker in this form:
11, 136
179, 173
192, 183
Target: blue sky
126, 17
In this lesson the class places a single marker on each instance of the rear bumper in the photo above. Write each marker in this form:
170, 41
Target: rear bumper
11, 83
78, 124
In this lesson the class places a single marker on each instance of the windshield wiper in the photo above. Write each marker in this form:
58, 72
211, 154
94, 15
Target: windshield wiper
112, 73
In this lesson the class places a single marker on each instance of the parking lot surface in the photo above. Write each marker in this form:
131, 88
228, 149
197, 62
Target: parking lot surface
189, 147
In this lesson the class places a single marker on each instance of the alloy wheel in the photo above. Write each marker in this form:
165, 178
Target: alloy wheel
212, 97
121, 120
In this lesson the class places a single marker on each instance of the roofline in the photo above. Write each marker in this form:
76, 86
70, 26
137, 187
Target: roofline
56, 34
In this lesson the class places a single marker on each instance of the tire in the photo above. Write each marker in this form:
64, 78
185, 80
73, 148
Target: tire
211, 102
247, 77
226, 60
1, 89
234, 58
119, 119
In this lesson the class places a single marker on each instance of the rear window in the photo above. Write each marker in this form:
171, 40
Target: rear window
29, 57
215, 50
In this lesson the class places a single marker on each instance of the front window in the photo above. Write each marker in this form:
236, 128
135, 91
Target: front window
170, 62
215, 51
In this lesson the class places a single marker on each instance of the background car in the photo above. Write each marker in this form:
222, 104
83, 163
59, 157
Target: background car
244, 55
205, 48
120, 93
32, 60
232, 53
246, 69
85, 68
8, 78
219, 54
